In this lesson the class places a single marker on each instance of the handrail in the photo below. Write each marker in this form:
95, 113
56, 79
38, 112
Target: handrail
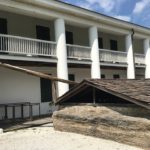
79, 46
112, 51
113, 56
78, 52
26, 46
139, 58
26, 38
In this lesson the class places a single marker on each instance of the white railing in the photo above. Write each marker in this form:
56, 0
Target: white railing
113, 56
78, 52
139, 59
26, 46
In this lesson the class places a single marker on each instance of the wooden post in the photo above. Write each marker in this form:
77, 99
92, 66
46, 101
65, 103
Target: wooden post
35, 73
22, 110
30, 111
39, 110
6, 114
94, 96
13, 110
54, 91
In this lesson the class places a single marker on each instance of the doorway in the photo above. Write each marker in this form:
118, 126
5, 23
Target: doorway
69, 37
43, 33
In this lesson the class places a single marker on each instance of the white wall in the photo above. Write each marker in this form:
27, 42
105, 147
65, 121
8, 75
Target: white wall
138, 46
25, 26
140, 73
107, 37
80, 35
83, 73
20, 87
110, 72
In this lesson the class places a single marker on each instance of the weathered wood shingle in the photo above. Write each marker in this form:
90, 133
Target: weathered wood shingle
136, 91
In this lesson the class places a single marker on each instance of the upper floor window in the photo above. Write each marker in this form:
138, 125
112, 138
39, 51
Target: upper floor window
100, 42
3, 26
69, 37
113, 45
43, 33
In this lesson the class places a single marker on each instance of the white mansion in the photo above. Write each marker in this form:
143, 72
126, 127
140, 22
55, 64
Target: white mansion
68, 42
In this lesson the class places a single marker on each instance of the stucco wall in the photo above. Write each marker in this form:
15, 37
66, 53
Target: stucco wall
138, 46
25, 26
107, 37
20, 87
82, 73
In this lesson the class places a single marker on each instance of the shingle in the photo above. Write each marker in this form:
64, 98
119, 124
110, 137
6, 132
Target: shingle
137, 89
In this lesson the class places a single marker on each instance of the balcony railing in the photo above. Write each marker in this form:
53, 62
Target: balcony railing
78, 52
26, 46
140, 59
113, 56
17, 45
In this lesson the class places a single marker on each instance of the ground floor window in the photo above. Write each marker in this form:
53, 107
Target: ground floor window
103, 76
116, 76
72, 78
46, 90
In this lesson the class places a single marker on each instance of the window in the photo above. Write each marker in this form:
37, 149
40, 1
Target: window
72, 78
116, 76
102, 76
69, 37
3, 30
113, 45
46, 90
3, 26
100, 42
43, 33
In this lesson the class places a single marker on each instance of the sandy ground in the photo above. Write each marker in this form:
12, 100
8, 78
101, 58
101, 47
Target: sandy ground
46, 138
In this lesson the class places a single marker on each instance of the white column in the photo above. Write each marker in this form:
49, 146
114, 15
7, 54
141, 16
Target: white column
147, 57
93, 39
61, 50
130, 57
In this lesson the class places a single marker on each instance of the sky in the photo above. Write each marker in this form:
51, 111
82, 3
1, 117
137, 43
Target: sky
135, 11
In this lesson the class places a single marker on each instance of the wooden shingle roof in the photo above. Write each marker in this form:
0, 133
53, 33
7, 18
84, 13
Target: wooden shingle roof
136, 91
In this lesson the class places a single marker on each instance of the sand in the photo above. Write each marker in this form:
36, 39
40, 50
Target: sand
46, 138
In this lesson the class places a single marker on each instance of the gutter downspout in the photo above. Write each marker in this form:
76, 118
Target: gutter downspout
132, 36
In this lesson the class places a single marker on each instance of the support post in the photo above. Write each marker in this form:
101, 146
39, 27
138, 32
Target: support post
54, 91
130, 57
94, 96
22, 111
6, 113
147, 58
13, 111
61, 50
93, 39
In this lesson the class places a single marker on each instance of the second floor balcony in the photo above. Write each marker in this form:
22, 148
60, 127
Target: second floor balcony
15, 45
28, 47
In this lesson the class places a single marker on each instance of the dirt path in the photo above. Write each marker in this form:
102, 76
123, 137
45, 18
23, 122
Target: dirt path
45, 138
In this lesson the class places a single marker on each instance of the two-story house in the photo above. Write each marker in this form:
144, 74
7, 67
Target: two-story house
68, 42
